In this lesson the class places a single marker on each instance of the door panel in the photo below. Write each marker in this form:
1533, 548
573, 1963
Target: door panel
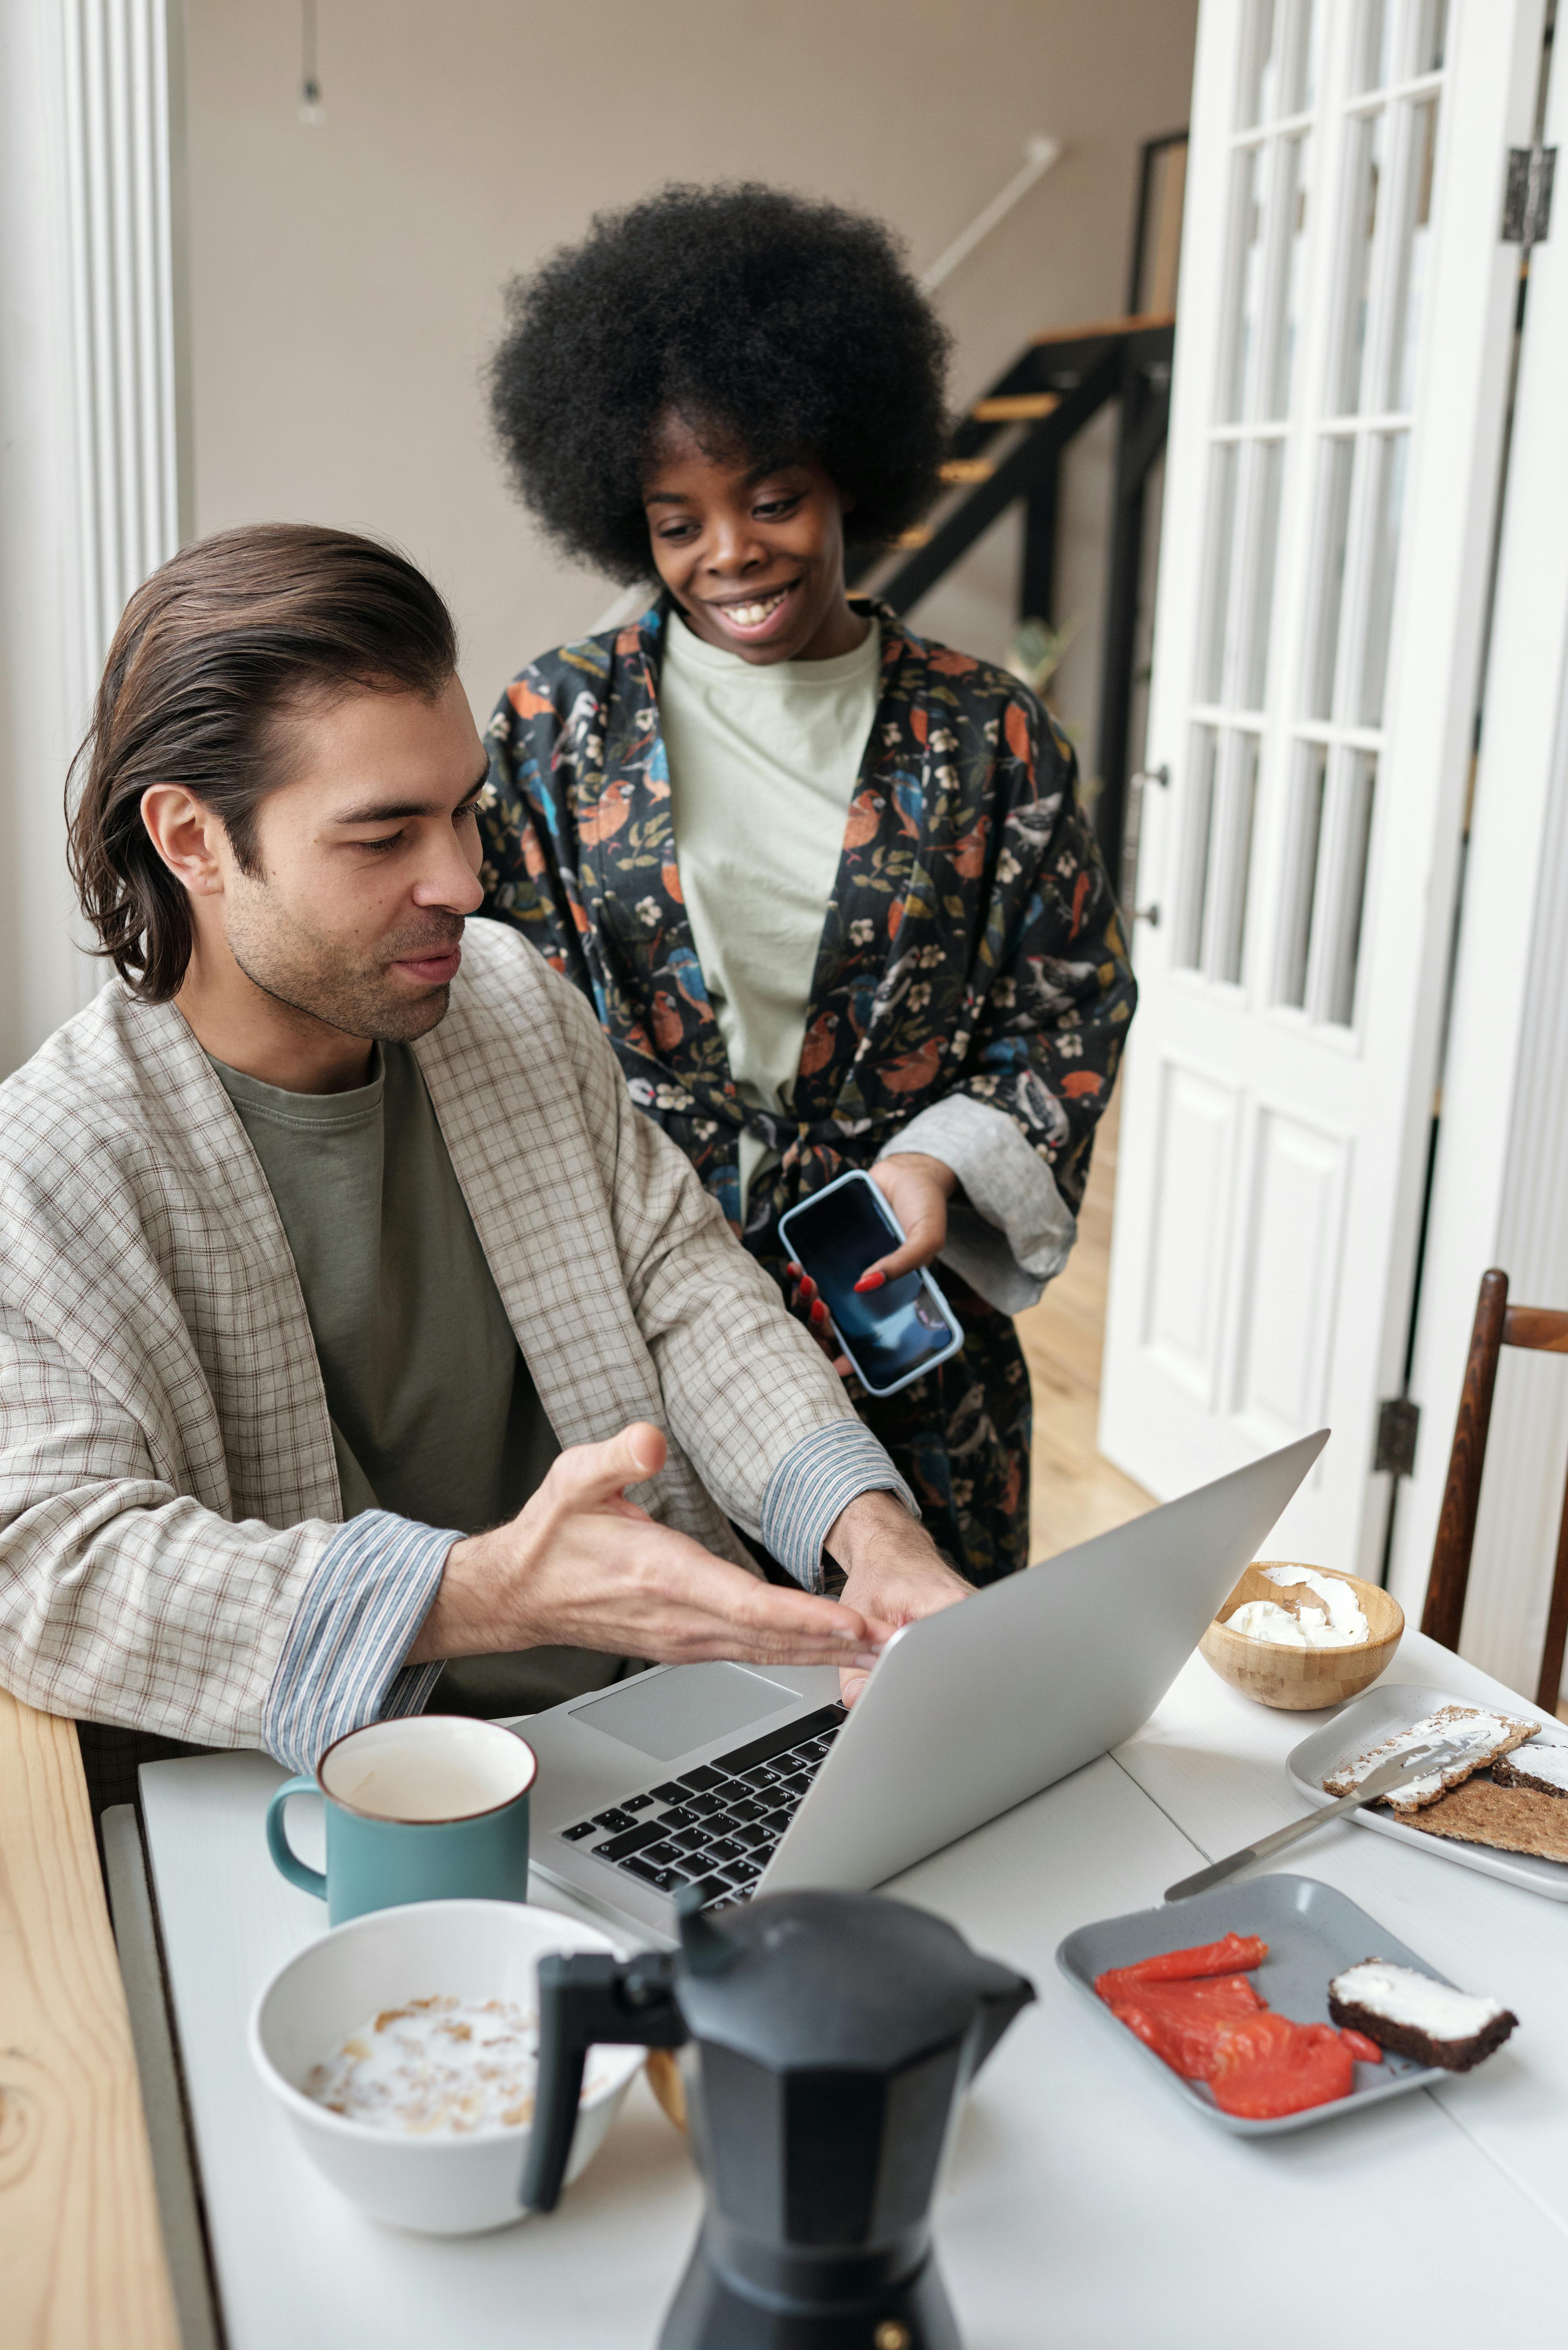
1289, 1287
1187, 1274
1336, 421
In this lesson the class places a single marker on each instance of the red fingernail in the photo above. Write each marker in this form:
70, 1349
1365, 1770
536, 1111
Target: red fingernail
819, 1312
870, 1280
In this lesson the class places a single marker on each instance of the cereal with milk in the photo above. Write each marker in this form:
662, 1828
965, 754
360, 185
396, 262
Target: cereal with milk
440, 2066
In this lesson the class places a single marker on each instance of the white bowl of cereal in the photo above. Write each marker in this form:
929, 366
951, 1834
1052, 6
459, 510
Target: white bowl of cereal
402, 2048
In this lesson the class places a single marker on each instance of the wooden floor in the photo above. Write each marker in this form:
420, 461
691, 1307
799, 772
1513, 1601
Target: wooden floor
1074, 1493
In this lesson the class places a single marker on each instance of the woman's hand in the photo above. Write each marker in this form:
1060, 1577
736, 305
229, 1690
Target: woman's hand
918, 1190
808, 1305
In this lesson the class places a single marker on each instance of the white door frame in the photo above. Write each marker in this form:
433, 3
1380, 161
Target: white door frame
1383, 1084
1497, 1193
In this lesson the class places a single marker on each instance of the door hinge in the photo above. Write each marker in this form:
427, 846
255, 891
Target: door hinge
1527, 199
1398, 1423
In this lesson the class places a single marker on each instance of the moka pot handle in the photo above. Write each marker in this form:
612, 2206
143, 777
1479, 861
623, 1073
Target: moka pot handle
585, 1999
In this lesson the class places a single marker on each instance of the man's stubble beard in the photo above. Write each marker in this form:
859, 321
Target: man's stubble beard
316, 976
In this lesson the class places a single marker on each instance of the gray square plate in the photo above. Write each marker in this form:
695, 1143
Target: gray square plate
1313, 1934
1376, 1715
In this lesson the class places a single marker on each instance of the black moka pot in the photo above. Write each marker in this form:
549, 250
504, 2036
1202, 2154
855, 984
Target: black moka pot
833, 2032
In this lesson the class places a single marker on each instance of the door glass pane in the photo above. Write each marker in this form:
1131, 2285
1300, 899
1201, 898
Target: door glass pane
1239, 804
1361, 787
1334, 520
1300, 90
1431, 36
1375, 48
1388, 451
1413, 258
1366, 171
1258, 597
1260, 82
1295, 167
1196, 831
1301, 874
1246, 304
1221, 543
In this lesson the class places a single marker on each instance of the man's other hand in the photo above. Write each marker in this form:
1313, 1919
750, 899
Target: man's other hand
894, 1572
580, 1566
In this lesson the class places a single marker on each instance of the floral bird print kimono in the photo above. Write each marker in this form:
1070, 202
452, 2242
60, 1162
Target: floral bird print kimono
971, 945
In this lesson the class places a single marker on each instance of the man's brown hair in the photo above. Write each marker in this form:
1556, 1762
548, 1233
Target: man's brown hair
236, 634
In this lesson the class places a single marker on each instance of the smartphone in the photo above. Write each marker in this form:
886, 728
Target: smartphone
891, 1334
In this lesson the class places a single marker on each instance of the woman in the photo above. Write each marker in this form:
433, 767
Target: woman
826, 883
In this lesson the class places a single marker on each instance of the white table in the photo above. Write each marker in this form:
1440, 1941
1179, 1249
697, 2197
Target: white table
1082, 2204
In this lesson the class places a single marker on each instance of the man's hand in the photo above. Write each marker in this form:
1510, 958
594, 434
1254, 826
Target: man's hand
918, 1188
894, 1572
582, 1567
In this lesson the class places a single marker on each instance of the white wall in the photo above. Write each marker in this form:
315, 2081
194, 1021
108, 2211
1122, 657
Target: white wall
346, 278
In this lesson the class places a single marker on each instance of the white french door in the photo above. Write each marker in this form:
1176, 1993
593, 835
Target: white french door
1340, 383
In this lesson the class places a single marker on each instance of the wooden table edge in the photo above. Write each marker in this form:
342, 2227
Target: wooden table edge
81, 2241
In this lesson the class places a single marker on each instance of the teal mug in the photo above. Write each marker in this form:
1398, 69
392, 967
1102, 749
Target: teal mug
433, 1808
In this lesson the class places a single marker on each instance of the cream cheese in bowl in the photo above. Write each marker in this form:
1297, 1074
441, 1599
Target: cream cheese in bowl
1339, 1623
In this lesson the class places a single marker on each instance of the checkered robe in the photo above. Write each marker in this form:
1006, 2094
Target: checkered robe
168, 1488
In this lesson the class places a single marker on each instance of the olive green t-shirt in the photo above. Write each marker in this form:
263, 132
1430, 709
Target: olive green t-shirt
433, 1412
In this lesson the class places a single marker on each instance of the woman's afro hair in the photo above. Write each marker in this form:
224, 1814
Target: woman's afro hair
778, 325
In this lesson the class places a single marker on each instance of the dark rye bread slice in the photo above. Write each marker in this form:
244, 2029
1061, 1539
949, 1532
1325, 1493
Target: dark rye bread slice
1405, 2036
1542, 1768
1487, 1735
1509, 1819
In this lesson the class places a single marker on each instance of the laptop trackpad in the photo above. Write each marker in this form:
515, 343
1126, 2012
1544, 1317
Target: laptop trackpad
666, 1714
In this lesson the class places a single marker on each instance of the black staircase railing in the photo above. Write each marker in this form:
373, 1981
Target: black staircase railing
1053, 389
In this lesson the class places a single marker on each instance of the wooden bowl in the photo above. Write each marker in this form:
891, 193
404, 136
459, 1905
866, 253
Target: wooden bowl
1302, 1681
664, 2079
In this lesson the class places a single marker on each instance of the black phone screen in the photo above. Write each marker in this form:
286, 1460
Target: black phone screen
891, 1331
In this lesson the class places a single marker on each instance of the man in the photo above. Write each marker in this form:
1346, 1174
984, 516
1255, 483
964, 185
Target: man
351, 1317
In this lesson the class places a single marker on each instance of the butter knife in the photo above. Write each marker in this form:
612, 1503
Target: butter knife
1416, 1761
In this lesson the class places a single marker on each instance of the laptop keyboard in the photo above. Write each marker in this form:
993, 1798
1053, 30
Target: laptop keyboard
716, 1826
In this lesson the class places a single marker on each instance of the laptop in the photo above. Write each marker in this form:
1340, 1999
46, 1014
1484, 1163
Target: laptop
748, 1779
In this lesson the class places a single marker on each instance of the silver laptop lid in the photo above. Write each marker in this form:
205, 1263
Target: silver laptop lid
976, 1709
968, 1712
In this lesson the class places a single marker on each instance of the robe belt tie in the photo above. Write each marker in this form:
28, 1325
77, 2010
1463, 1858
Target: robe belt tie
789, 1137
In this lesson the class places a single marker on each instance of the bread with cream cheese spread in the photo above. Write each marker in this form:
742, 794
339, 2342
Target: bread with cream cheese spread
1413, 2014
1485, 1736
1543, 1769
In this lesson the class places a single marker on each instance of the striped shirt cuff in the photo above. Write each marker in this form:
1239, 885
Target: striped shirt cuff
342, 1664
815, 1479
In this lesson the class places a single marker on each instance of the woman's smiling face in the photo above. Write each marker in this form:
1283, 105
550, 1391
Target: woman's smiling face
753, 558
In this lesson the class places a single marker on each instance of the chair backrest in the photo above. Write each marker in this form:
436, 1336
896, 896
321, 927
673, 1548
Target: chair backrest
1497, 1325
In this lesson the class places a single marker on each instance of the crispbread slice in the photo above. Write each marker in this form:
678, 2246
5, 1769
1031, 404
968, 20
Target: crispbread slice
1509, 1819
1487, 1735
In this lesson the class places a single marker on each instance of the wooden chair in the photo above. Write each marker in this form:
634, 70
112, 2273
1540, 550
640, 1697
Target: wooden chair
1497, 1325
